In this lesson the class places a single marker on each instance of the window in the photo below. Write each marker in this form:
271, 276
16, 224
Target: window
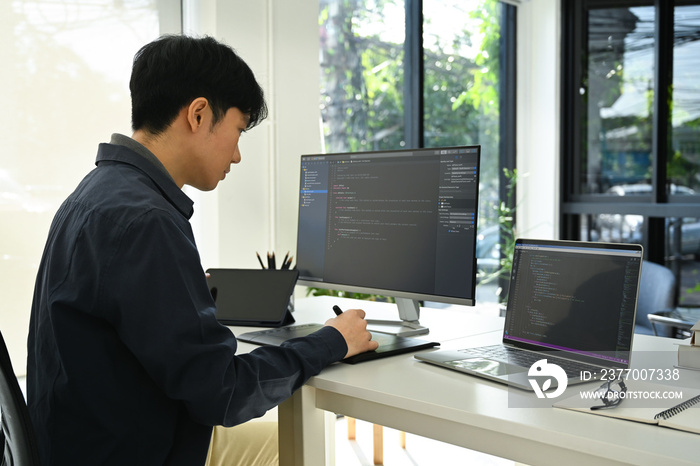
631, 132
408, 73
362, 54
67, 68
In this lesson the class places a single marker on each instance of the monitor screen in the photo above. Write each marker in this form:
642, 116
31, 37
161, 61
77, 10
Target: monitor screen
394, 223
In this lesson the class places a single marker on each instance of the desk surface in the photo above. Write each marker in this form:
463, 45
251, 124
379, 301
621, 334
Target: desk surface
403, 393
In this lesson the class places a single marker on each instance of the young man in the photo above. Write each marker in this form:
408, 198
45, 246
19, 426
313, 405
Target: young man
127, 363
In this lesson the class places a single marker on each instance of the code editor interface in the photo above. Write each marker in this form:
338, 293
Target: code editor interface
398, 221
574, 300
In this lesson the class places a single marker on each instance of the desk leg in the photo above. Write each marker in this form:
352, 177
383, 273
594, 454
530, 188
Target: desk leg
306, 434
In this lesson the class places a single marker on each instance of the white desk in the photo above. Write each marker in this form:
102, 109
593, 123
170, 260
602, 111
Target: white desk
408, 395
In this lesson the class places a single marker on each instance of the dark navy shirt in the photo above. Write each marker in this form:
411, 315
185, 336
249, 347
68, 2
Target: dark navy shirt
127, 363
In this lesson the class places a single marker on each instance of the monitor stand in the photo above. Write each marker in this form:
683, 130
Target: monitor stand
408, 326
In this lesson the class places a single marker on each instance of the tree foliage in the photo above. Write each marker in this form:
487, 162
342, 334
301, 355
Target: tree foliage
362, 95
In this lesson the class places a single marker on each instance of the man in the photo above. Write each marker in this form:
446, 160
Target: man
127, 363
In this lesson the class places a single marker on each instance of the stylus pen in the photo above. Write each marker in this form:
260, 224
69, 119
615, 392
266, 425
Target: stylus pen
337, 310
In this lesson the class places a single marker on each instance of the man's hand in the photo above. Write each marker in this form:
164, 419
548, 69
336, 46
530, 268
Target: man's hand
353, 326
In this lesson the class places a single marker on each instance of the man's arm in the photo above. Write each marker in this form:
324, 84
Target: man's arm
159, 303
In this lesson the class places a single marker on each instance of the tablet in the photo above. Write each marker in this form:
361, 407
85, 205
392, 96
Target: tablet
389, 345
252, 297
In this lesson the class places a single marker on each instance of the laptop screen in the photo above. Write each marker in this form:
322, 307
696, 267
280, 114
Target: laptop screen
574, 296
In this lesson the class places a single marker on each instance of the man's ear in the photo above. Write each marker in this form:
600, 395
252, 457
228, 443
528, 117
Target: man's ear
197, 113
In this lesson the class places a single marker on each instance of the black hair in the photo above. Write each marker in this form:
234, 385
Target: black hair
172, 71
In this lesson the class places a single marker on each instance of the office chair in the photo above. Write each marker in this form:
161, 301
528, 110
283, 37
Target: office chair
17, 442
657, 293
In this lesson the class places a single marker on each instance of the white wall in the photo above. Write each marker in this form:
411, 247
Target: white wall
255, 208
65, 81
538, 101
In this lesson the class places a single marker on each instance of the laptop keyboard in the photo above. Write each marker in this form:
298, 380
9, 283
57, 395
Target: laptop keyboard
526, 358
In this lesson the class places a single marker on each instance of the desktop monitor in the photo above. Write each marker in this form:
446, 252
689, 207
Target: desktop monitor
394, 223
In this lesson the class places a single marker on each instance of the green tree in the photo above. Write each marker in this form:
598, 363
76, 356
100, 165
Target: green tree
361, 79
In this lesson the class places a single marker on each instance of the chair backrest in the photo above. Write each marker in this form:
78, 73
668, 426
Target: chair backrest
17, 441
657, 292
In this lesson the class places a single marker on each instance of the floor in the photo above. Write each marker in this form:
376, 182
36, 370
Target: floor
419, 450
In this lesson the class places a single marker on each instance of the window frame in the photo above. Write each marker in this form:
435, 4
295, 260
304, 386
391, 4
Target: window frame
657, 206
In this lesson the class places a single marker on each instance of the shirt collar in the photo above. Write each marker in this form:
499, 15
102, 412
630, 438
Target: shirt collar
121, 140
126, 150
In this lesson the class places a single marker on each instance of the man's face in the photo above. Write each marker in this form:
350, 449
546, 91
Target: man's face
219, 149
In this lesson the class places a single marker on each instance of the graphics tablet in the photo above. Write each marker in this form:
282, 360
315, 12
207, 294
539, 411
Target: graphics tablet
389, 345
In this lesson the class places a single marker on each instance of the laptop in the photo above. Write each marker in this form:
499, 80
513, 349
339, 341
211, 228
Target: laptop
572, 303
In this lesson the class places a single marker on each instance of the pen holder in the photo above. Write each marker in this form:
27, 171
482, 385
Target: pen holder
272, 262
272, 265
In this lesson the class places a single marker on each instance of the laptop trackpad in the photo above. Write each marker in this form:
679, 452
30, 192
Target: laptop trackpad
487, 367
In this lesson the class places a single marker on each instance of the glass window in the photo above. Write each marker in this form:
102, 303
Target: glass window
618, 98
66, 71
614, 228
682, 245
684, 162
614, 188
461, 41
683, 253
461, 54
362, 48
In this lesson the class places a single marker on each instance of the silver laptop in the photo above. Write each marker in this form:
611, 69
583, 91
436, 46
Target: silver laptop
569, 302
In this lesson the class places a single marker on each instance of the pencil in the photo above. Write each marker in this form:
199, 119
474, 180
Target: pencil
260, 260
